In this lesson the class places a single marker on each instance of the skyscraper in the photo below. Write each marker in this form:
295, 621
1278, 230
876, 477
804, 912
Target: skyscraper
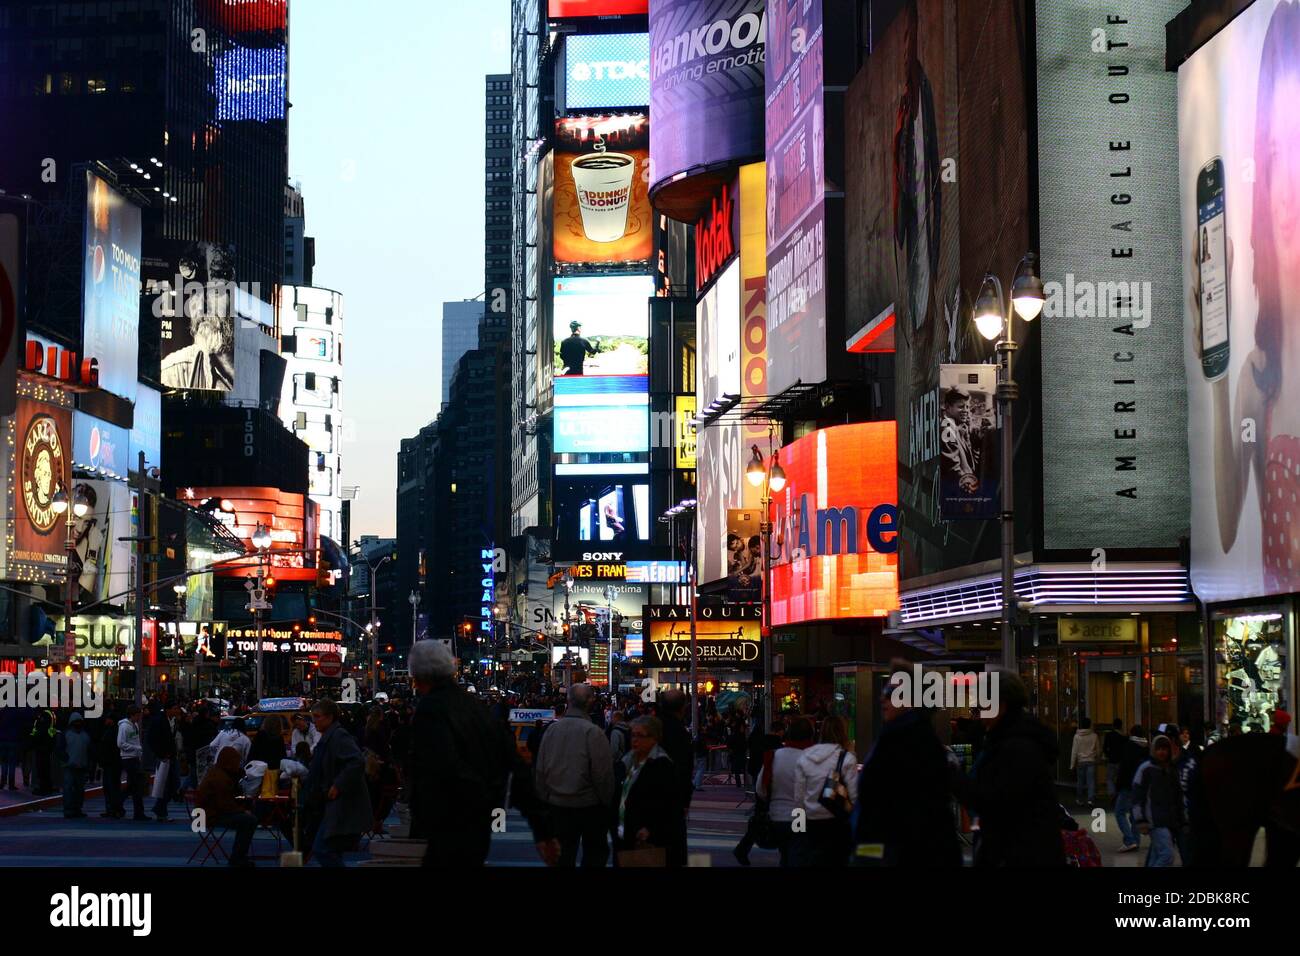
460, 321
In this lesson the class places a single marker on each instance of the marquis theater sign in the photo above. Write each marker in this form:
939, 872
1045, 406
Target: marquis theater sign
725, 636
835, 526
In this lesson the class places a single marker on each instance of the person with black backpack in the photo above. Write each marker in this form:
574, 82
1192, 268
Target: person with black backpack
619, 734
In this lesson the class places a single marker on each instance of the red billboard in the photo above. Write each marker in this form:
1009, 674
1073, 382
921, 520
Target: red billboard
289, 517
835, 526
569, 9
246, 16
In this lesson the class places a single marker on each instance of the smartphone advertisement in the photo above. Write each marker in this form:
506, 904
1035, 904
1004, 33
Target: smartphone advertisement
1239, 168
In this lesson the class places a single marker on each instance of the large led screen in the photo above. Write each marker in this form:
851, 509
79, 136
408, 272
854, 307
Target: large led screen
601, 413
796, 205
595, 515
602, 325
110, 305
706, 86
602, 203
1239, 171
835, 537
249, 83
566, 9
607, 71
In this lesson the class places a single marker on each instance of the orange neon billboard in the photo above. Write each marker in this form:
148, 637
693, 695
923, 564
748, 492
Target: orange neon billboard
291, 519
835, 526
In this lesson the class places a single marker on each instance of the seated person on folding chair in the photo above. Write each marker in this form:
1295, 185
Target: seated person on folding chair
216, 798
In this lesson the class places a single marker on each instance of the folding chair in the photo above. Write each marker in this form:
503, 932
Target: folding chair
209, 839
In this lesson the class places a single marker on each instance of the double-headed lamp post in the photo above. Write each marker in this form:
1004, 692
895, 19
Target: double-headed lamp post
74, 509
262, 542
415, 615
770, 480
179, 589
995, 319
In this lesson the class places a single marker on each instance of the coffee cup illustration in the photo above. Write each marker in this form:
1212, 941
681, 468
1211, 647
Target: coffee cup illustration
604, 185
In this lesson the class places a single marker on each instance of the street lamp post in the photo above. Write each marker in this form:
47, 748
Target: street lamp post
179, 590
60, 505
609, 654
373, 629
568, 632
770, 479
261, 541
415, 613
995, 317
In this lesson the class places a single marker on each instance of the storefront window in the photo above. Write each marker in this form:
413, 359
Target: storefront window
1251, 671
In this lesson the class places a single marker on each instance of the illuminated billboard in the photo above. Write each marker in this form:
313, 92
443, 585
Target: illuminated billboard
1239, 166
706, 96
242, 16
146, 429
602, 325
835, 537
250, 83
110, 303
570, 9
602, 205
291, 519
725, 636
607, 71
796, 187
197, 320
100, 447
601, 413
42, 465
601, 517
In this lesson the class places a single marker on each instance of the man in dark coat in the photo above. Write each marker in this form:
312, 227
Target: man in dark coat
905, 815
1012, 788
460, 760
161, 738
677, 740
337, 796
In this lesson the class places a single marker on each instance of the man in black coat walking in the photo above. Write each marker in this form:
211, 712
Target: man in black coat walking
162, 744
677, 741
905, 815
1012, 788
459, 763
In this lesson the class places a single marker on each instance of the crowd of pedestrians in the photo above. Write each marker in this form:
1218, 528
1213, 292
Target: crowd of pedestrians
612, 778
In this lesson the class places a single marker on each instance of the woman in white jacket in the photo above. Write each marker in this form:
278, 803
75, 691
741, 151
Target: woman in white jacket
825, 768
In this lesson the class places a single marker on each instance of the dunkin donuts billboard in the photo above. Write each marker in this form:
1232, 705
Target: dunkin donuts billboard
602, 204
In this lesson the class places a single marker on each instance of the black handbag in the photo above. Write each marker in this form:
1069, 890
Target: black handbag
835, 793
760, 826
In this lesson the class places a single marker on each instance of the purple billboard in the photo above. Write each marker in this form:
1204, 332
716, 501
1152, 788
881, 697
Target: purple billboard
706, 89
796, 191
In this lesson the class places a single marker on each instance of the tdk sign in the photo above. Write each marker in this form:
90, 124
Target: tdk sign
607, 71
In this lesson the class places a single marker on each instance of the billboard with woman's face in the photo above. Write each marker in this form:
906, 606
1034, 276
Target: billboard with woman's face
1239, 168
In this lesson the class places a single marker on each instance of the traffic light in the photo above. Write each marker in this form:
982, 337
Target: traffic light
311, 620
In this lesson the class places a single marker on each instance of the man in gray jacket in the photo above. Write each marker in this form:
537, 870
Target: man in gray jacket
336, 788
574, 776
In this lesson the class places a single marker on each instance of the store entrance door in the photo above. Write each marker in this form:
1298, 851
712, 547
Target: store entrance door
1112, 689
